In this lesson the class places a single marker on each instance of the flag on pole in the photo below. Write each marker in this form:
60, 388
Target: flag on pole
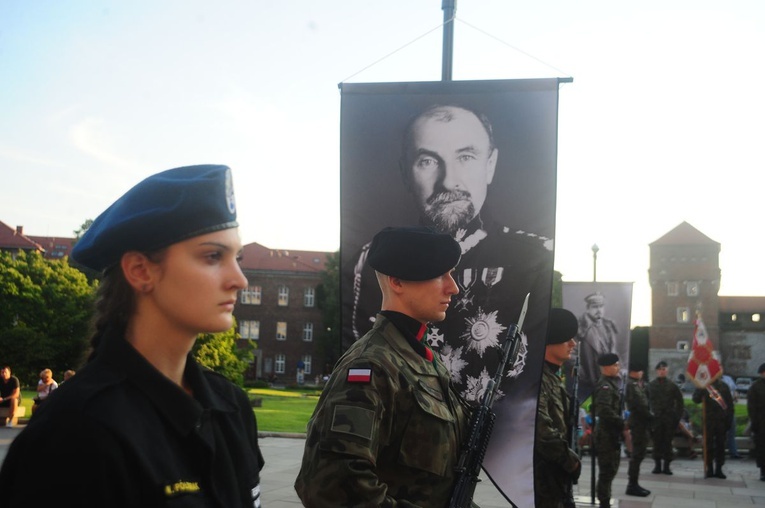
703, 366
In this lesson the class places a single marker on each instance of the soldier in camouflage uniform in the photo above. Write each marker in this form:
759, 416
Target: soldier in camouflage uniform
755, 405
556, 465
638, 422
609, 425
666, 402
718, 419
388, 426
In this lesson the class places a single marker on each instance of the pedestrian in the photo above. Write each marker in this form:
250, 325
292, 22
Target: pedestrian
718, 404
388, 426
609, 425
556, 464
638, 421
730, 437
755, 405
145, 423
666, 403
10, 394
45, 386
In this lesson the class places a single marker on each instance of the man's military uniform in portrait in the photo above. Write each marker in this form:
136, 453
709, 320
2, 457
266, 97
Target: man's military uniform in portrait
636, 400
596, 337
755, 405
719, 418
607, 411
666, 402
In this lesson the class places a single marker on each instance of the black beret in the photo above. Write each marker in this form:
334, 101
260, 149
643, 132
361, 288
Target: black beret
761, 369
608, 359
636, 367
161, 210
661, 365
413, 253
562, 326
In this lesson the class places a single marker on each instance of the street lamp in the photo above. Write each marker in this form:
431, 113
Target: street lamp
595, 250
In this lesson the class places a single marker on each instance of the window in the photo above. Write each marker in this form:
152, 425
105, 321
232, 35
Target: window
284, 296
683, 315
673, 288
251, 295
308, 332
306, 364
249, 329
309, 297
281, 330
280, 363
682, 345
692, 288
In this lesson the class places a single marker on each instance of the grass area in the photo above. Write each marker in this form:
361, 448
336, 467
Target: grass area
284, 410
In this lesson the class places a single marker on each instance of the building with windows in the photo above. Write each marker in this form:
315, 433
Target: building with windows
278, 312
684, 274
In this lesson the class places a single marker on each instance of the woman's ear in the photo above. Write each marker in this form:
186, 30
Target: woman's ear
138, 272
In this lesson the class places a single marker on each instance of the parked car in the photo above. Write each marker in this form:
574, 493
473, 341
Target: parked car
742, 385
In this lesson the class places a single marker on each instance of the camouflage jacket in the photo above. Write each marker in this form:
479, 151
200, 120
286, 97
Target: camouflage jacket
666, 401
386, 431
716, 416
606, 402
553, 419
636, 400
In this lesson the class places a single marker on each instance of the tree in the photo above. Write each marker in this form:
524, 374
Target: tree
328, 301
219, 352
557, 290
45, 312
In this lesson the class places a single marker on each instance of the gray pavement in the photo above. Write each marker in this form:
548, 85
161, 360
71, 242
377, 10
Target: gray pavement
686, 488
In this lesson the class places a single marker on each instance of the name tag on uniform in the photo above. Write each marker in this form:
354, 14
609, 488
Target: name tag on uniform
359, 375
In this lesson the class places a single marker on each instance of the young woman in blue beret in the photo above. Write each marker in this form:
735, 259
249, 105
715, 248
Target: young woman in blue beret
142, 424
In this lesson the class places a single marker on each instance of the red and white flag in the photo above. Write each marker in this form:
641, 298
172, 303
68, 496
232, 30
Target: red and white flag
703, 366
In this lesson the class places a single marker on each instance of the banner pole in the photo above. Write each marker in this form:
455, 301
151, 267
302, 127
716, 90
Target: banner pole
704, 432
450, 8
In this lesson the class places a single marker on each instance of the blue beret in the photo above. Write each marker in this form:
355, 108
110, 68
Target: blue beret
413, 253
161, 210
607, 359
562, 326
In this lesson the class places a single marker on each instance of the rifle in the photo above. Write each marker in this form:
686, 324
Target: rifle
574, 425
482, 422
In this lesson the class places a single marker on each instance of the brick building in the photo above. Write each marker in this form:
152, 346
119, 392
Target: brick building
684, 275
278, 312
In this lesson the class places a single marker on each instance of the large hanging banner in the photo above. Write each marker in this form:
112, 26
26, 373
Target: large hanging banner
604, 310
476, 160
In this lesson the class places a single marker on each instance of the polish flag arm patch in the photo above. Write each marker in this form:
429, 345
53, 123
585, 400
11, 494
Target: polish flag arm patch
359, 375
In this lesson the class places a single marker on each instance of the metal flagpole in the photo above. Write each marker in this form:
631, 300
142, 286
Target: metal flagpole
450, 8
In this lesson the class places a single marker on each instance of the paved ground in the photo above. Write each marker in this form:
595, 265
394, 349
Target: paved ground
686, 488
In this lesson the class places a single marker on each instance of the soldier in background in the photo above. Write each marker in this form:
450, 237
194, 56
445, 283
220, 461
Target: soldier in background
606, 408
388, 426
719, 418
666, 402
755, 405
556, 465
638, 421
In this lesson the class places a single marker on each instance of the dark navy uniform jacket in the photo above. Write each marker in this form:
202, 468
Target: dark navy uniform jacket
120, 434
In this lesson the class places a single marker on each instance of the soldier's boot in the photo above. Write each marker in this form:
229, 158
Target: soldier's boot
666, 469
633, 489
762, 474
605, 504
719, 473
709, 471
657, 469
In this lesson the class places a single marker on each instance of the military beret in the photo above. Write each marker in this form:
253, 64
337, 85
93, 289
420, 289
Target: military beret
595, 298
413, 253
161, 210
608, 359
761, 369
562, 326
636, 367
661, 365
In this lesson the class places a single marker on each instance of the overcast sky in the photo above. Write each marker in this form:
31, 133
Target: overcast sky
662, 124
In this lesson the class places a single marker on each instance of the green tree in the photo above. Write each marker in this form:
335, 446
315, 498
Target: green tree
328, 301
557, 290
219, 352
45, 310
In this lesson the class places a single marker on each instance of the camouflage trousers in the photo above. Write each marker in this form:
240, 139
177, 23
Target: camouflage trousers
639, 445
608, 465
663, 432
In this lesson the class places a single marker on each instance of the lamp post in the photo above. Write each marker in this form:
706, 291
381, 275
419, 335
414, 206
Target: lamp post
595, 250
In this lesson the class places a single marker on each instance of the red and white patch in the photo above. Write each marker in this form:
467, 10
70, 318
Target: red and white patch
359, 375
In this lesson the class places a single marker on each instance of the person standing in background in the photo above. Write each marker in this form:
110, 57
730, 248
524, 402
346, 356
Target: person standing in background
666, 403
755, 405
609, 425
638, 421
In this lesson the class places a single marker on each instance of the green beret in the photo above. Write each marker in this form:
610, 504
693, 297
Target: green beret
161, 210
608, 359
561, 327
761, 369
413, 253
661, 365
636, 367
